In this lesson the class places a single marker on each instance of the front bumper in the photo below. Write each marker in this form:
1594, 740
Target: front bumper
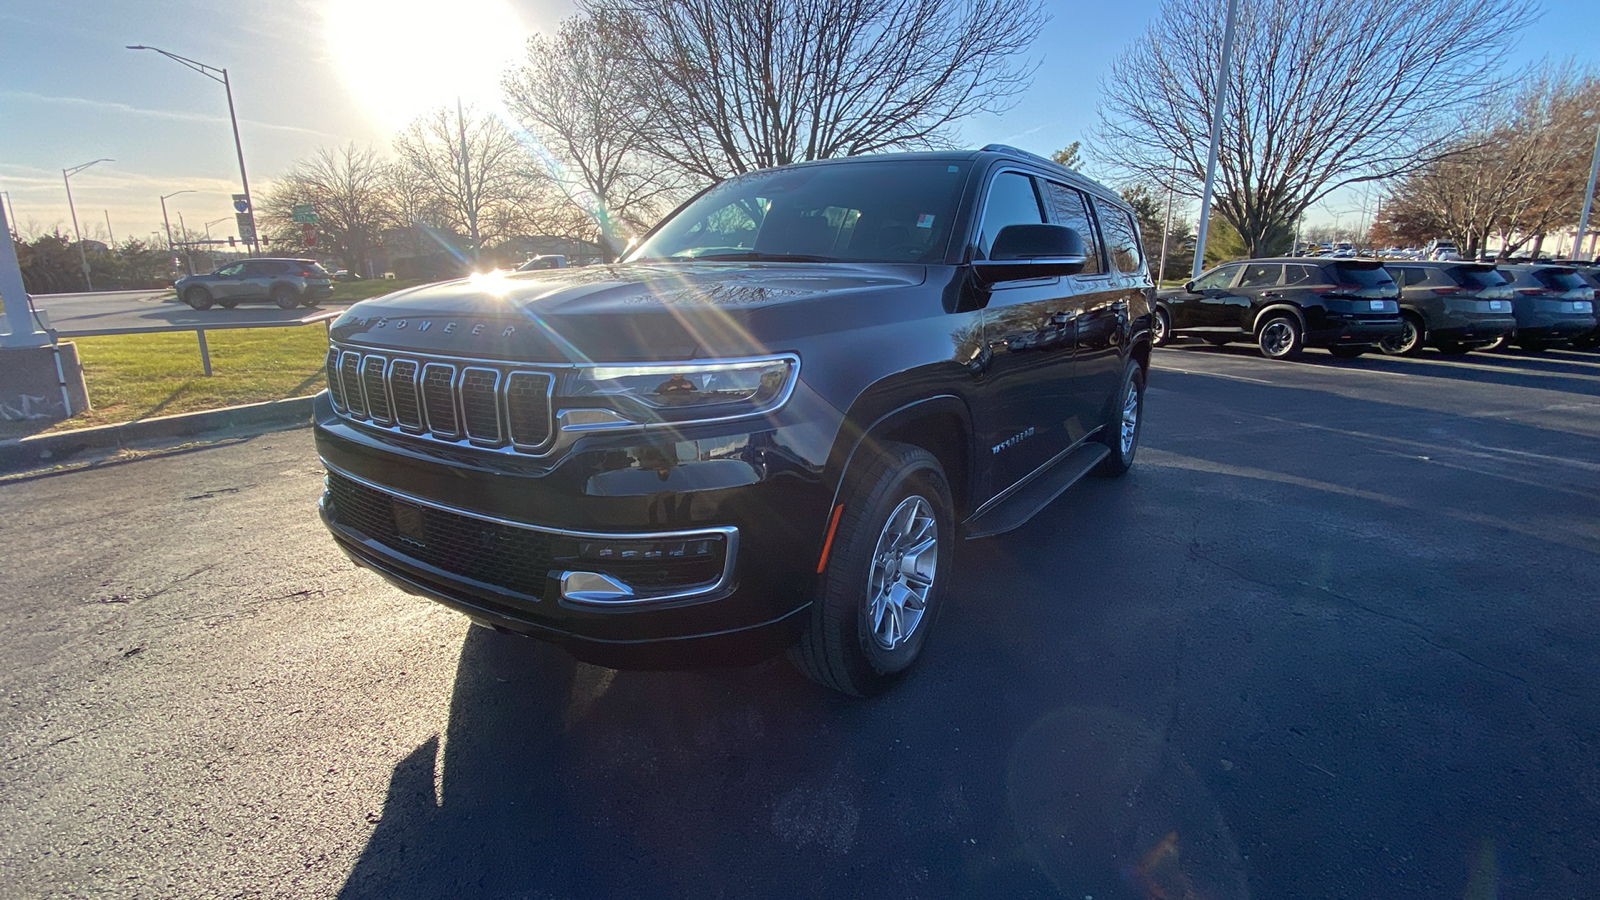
492, 536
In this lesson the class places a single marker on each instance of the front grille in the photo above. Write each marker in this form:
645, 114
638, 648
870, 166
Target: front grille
515, 559
518, 560
485, 403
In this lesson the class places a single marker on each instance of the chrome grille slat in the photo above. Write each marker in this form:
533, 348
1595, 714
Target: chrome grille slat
487, 403
377, 391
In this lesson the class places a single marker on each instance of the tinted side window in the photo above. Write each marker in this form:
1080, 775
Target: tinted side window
1257, 275
1012, 201
1070, 207
1365, 276
234, 269
1479, 278
1300, 275
1122, 237
1407, 275
1219, 278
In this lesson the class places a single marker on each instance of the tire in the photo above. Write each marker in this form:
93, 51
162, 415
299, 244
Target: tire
227, 304
197, 297
1500, 344
1162, 331
1408, 342
846, 646
285, 297
1280, 337
1349, 351
1532, 345
1124, 424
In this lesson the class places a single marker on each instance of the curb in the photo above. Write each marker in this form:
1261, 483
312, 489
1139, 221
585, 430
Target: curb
52, 449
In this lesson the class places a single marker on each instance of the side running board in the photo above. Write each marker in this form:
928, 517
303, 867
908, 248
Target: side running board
1014, 511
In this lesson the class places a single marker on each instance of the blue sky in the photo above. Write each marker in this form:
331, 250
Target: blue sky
310, 73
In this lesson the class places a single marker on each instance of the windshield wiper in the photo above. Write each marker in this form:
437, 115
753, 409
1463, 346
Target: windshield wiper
755, 256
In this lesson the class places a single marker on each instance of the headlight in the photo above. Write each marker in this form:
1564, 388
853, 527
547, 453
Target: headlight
613, 396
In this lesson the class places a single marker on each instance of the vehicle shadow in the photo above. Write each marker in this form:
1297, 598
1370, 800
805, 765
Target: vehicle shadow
1574, 372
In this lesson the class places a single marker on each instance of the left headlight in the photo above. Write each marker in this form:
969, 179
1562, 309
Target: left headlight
612, 396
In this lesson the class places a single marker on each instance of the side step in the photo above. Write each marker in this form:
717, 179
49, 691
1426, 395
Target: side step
1014, 511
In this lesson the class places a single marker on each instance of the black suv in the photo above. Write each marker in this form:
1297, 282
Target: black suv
767, 426
286, 282
1553, 304
1285, 305
1454, 306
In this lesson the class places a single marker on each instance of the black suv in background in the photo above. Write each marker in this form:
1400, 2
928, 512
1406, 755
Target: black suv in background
1453, 306
1591, 276
1554, 305
767, 426
286, 282
1285, 305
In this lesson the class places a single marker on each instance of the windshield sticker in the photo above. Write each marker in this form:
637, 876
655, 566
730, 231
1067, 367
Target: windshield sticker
925, 220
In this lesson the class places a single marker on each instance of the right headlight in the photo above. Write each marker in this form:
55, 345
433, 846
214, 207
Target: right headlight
614, 396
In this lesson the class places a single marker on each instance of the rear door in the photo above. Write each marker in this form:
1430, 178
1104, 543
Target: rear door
1028, 328
1260, 285
258, 277
1106, 324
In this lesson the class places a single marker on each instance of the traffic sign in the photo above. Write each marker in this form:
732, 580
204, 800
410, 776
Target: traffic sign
303, 213
247, 228
311, 240
241, 203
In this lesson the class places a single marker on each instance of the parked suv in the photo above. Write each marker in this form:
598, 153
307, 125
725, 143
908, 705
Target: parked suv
286, 282
767, 426
1591, 276
1285, 305
1553, 305
1456, 307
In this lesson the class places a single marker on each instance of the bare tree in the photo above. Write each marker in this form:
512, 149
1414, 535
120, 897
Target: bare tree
736, 85
347, 187
573, 93
480, 193
1320, 94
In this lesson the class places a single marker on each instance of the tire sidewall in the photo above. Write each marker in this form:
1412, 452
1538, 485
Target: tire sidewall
1163, 329
1133, 378
1295, 345
198, 298
278, 294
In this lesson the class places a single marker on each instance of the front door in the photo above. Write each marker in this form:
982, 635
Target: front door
229, 284
1028, 329
1205, 303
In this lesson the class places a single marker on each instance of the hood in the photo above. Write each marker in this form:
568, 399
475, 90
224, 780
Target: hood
612, 313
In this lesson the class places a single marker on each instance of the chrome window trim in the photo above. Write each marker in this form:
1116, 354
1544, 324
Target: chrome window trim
494, 397
728, 533
454, 434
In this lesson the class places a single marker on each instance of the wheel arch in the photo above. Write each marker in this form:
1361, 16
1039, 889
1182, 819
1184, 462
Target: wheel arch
940, 424
1268, 311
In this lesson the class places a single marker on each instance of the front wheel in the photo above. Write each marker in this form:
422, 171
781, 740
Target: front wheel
887, 567
1280, 337
197, 297
1162, 332
1348, 352
1121, 434
1408, 342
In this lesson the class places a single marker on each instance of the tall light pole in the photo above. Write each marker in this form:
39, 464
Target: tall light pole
1166, 230
221, 76
1588, 197
164, 220
66, 179
211, 223
11, 216
1216, 136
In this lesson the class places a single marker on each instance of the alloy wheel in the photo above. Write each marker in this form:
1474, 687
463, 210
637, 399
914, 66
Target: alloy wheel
904, 564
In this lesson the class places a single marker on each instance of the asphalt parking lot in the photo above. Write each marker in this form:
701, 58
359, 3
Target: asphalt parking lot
1335, 636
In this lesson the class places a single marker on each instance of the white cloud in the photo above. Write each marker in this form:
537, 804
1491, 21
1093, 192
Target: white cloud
170, 115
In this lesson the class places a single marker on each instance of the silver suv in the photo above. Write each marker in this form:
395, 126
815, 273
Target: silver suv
286, 282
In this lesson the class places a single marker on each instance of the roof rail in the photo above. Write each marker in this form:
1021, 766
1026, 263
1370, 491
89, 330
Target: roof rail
1007, 148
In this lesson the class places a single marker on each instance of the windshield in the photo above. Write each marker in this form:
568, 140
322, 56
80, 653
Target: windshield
865, 211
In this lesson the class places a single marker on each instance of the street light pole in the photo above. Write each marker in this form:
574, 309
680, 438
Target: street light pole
1216, 137
66, 179
164, 220
1166, 230
1588, 197
221, 76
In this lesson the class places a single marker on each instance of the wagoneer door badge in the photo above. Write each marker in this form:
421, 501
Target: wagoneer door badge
1012, 441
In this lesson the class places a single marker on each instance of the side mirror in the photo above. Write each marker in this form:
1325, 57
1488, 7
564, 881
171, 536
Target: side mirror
1032, 251
1188, 286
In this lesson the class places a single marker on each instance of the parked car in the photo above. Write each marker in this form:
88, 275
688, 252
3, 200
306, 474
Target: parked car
1442, 251
1591, 275
766, 426
1286, 305
286, 282
1554, 305
547, 261
1455, 307
345, 275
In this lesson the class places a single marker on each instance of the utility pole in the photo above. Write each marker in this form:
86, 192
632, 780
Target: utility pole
221, 77
1216, 136
66, 179
11, 213
1166, 230
1588, 197
466, 179
109, 233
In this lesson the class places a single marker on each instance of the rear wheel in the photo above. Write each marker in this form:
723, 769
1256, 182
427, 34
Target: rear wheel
1348, 351
1532, 345
1162, 335
1280, 337
1501, 343
1121, 434
197, 297
1408, 342
284, 296
887, 567
227, 304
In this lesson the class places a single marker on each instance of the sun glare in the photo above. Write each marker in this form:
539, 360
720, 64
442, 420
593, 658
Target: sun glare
400, 58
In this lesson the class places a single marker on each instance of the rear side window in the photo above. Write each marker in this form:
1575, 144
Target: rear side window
1257, 275
1013, 200
1122, 237
1478, 279
1407, 276
1301, 275
1366, 276
1070, 207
